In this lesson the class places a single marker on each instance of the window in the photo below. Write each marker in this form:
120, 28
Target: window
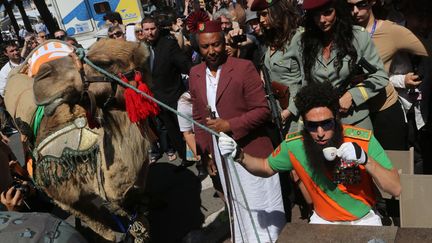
102, 7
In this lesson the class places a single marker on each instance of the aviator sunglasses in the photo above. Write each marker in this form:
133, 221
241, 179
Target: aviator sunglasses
326, 125
60, 37
116, 34
359, 5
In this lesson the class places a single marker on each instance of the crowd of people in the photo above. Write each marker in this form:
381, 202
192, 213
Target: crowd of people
350, 78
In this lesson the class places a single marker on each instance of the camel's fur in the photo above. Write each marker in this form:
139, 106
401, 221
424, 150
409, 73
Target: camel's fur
123, 145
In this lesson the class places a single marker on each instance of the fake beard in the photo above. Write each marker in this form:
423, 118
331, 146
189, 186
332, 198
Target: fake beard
314, 151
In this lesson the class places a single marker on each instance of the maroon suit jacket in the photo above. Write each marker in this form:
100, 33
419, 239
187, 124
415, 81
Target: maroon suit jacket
240, 100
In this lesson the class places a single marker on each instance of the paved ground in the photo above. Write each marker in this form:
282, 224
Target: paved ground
185, 204
188, 206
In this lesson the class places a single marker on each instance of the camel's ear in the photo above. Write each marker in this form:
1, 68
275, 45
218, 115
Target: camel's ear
140, 55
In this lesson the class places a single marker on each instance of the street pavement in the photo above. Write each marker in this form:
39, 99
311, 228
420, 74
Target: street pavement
183, 208
189, 211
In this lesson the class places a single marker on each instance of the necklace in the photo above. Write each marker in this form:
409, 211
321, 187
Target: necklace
373, 28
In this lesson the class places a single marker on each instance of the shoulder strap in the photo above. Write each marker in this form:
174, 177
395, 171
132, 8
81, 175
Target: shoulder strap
293, 136
357, 133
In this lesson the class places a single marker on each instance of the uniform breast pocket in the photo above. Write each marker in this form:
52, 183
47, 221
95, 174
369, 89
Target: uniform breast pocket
288, 71
282, 66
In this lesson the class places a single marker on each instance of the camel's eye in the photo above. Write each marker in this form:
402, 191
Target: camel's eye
104, 64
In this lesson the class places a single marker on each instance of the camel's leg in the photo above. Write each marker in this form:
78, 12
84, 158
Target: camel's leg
95, 221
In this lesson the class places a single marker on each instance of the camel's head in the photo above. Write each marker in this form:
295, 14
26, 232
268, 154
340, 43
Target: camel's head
115, 56
58, 80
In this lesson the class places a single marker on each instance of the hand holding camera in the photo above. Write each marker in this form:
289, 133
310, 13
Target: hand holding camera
236, 37
412, 80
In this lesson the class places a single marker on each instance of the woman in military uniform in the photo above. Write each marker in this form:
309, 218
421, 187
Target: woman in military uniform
279, 22
331, 47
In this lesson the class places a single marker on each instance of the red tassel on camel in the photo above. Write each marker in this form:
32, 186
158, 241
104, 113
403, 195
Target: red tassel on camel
139, 107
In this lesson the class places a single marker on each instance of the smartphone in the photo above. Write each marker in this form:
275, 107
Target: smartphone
239, 38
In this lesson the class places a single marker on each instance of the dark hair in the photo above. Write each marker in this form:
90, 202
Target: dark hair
70, 38
7, 44
149, 19
317, 94
284, 20
342, 36
165, 17
62, 31
113, 16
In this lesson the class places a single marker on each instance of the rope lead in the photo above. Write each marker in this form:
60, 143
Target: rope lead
81, 54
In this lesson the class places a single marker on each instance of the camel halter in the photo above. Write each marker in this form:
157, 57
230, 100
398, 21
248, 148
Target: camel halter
81, 55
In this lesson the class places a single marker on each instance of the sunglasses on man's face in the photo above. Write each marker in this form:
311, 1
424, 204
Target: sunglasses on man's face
326, 125
138, 31
60, 37
116, 34
359, 5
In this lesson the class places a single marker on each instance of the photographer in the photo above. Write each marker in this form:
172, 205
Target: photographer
30, 43
13, 190
231, 29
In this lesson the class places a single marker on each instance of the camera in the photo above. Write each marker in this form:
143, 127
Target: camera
419, 78
239, 38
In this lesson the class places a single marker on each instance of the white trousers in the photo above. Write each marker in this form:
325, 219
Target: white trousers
266, 218
370, 219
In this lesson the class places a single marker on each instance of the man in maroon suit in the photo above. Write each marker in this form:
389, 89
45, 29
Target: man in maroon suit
232, 90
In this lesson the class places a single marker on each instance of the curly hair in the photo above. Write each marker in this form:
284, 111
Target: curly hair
317, 94
342, 36
284, 19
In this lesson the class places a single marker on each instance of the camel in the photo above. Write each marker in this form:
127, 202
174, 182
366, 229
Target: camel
86, 148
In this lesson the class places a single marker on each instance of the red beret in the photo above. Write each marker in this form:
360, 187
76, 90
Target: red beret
210, 27
313, 4
258, 5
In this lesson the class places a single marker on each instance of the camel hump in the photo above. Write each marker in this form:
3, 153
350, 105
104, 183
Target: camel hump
19, 97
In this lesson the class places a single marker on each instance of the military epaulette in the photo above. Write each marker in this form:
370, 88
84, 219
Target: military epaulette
359, 28
293, 136
300, 29
357, 133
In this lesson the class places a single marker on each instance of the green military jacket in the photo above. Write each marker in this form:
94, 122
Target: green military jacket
326, 71
285, 67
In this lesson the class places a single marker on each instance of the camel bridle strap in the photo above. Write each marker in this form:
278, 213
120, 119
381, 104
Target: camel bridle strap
81, 54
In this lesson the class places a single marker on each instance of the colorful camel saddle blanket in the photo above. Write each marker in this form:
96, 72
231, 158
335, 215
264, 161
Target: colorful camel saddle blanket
63, 151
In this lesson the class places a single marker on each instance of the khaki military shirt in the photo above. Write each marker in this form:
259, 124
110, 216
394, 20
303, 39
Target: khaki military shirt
285, 67
324, 70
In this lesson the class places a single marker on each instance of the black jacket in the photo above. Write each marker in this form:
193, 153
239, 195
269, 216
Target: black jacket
168, 65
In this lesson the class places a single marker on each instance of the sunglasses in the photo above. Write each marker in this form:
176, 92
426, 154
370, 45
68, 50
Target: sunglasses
326, 125
138, 31
116, 34
359, 5
60, 37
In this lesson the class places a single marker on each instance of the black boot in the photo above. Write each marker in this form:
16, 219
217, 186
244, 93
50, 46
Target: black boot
184, 164
202, 172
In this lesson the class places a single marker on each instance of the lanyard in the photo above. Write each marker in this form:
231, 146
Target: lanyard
373, 28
